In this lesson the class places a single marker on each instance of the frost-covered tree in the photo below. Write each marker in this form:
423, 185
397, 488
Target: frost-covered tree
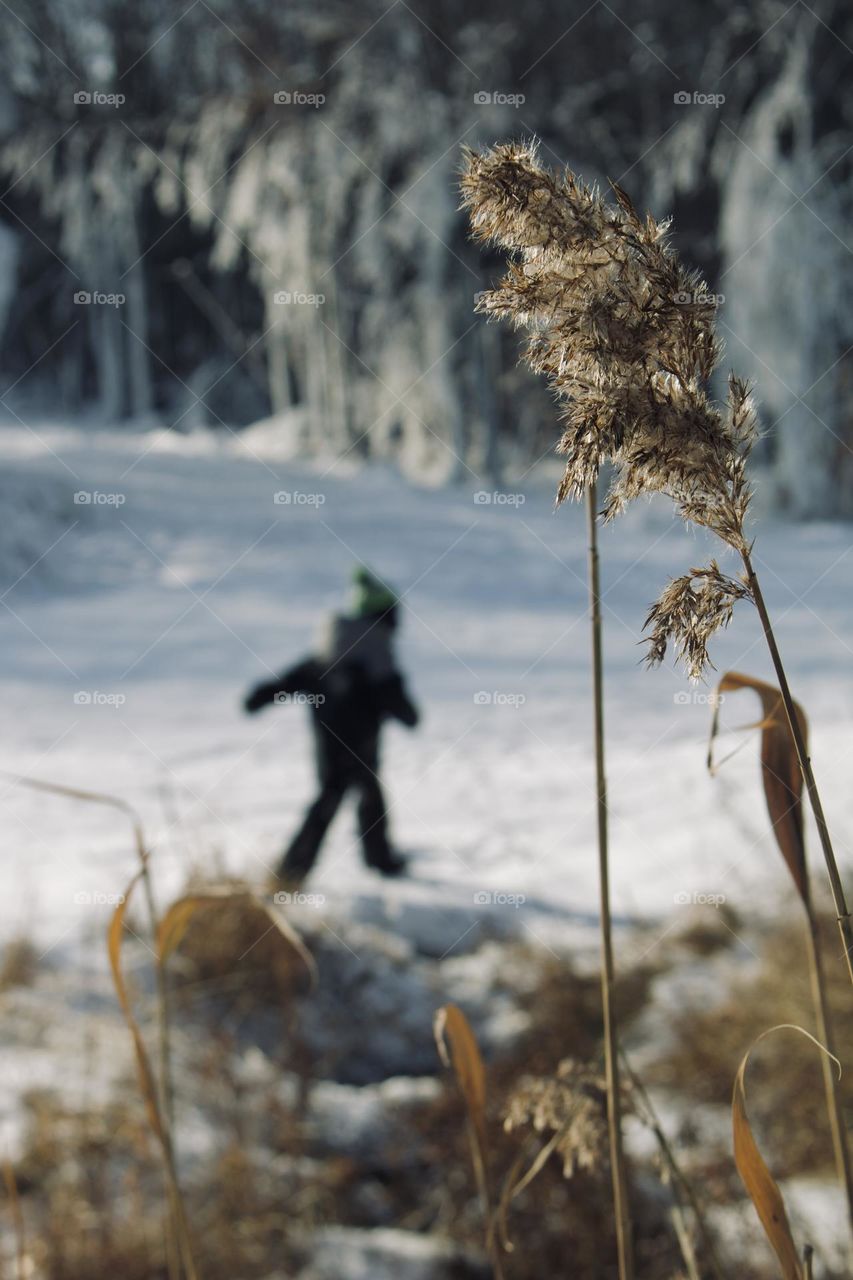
202, 200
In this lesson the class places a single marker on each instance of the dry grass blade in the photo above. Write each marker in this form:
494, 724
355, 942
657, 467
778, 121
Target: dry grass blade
175, 922
757, 1178
11, 1184
453, 1028
79, 793
516, 1182
783, 787
147, 1081
645, 1109
458, 1049
780, 769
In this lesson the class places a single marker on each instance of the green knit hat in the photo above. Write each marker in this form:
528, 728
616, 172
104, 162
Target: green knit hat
370, 594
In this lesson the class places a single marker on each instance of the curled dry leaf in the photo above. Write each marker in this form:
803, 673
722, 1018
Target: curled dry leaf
175, 922
780, 770
756, 1177
143, 1065
458, 1049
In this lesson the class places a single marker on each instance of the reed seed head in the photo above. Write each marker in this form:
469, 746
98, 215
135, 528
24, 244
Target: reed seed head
625, 336
572, 1105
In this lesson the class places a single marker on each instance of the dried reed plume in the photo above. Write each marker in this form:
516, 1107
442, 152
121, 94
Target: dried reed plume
625, 336
573, 1106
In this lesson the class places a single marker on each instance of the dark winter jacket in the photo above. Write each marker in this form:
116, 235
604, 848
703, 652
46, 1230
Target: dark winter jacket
348, 708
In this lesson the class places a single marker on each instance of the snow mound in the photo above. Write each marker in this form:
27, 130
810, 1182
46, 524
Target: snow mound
385, 1253
38, 510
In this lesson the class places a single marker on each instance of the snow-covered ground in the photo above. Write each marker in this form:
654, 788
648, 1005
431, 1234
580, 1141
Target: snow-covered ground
133, 623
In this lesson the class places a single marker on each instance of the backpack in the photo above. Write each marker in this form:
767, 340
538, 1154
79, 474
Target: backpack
359, 641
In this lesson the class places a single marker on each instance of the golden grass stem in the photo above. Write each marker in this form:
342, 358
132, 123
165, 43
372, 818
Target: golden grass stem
165, 1053
685, 1243
11, 1184
167, 1107
826, 1035
842, 914
165, 1075
679, 1179
150, 1088
611, 1053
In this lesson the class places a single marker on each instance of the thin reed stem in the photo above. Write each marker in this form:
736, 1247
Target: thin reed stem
17, 1219
611, 1052
841, 911
165, 1090
826, 1035
167, 1102
679, 1179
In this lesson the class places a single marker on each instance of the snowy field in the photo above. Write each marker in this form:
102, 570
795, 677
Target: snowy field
132, 625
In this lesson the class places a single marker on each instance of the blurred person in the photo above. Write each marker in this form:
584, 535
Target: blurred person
352, 686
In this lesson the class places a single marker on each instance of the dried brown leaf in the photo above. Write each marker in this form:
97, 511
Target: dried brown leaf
756, 1176
780, 770
177, 919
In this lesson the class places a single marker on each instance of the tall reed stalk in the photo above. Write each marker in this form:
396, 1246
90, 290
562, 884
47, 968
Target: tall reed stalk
611, 1046
626, 336
842, 914
826, 1035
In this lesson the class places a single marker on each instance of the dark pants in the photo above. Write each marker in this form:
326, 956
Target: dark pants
338, 775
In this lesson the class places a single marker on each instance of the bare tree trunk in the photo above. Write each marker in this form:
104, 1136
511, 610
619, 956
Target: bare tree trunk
278, 367
108, 345
138, 361
488, 368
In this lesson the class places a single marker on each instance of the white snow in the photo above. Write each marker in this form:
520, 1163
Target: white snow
130, 643
133, 623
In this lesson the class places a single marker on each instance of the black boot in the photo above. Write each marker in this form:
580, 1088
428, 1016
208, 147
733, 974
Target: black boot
302, 852
373, 829
390, 864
